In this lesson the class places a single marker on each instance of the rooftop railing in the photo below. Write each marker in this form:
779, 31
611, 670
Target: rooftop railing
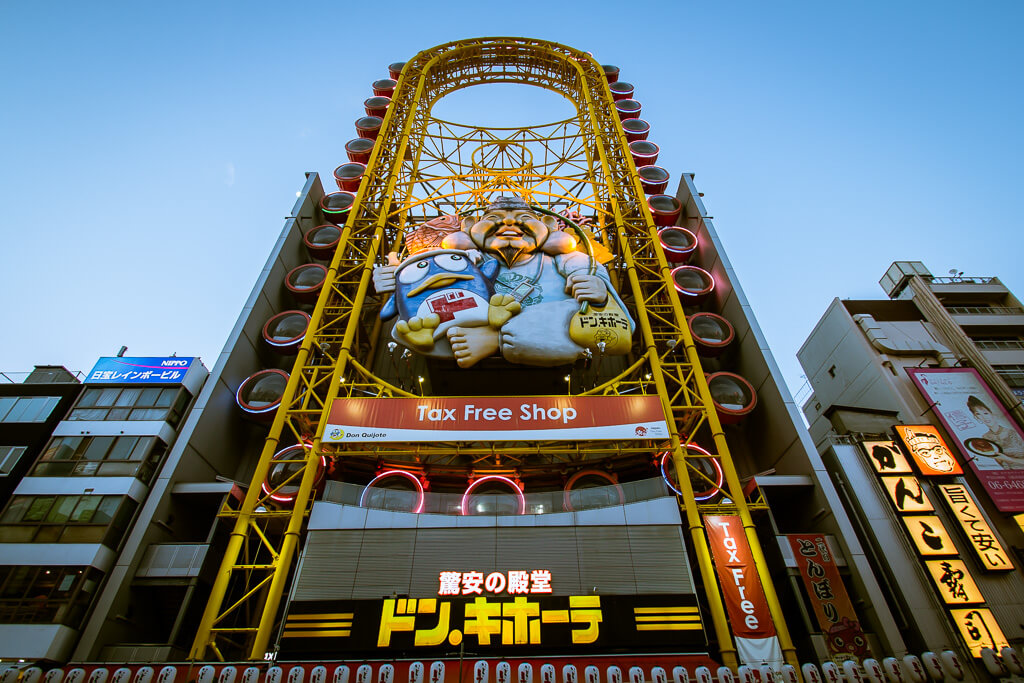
540, 503
960, 279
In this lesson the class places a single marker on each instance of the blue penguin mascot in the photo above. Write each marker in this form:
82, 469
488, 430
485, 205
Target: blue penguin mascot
446, 306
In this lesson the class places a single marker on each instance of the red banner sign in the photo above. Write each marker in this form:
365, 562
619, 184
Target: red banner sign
502, 418
828, 595
741, 587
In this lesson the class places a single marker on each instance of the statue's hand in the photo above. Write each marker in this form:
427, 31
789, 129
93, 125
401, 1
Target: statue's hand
585, 287
384, 276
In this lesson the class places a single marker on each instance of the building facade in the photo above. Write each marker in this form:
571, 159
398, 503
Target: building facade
499, 401
62, 528
29, 410
935, 363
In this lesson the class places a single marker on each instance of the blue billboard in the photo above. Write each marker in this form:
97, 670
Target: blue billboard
118, 370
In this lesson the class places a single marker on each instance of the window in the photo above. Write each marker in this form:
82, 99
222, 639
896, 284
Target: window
67, 519
27, 408
101, 456
46, 595
131, 403
1012, 374
9, 456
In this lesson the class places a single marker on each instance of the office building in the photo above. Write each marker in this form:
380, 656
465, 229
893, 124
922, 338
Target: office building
62, 528
938, 360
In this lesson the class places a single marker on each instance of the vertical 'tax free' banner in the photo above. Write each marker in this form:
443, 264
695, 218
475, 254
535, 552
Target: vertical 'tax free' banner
742, 591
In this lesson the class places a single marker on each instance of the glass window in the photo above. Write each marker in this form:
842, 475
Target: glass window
109, 456
98, 447
150, 397
16, 509
27, 408
86, 468
108, 396
128, 397
104, 513
39, 595
118, 413
88, 414
83, 512
139, 452
9, 457
89, 397
122, 448
67, 519
6, 403
62, 509
38, 508
148, 414
132, 403
62, 448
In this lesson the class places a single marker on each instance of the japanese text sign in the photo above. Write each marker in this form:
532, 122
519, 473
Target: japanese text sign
744, 595
832, 606
495, 418
954, 582
886, 457
118, 370
928, 450
929, 535
514, 582
979, 629
494, 624
906, 494
979, 534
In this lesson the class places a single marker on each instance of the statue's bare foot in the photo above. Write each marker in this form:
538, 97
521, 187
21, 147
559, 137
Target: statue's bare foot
502, 307
472, 344
418, 332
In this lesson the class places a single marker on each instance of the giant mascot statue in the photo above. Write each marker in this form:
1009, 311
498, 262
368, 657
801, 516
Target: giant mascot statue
509, 282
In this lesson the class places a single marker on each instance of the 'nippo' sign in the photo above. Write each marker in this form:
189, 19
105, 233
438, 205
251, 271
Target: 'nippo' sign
542, 418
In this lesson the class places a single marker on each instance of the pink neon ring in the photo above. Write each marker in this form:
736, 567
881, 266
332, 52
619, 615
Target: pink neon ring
402, 473
290, 497
498, 477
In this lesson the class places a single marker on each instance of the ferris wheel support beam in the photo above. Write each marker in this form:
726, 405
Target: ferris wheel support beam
248, 589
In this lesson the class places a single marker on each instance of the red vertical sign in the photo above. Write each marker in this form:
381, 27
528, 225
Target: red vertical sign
741, 587
828, 595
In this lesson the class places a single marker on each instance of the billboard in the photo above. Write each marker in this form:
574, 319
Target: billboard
493, 625
119, 370
990, 440
486, 418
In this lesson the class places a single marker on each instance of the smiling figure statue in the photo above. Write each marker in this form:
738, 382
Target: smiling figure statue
539, 281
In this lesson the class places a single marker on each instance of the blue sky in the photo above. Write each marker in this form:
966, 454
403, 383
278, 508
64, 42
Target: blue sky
150, 152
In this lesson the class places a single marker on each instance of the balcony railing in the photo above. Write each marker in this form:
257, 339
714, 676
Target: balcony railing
999, 344
960, 279
984, 310
544, 502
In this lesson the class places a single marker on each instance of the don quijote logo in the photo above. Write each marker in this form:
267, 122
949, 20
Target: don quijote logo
337, 434
641, 431
174, 363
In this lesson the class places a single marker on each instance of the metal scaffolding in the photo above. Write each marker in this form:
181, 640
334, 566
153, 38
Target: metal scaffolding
422, 168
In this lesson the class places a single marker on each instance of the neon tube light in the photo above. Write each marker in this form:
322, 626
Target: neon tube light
389, 473
494, 477
719, 474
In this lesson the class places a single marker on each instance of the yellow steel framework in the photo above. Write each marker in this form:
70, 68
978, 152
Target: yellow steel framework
421, 168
